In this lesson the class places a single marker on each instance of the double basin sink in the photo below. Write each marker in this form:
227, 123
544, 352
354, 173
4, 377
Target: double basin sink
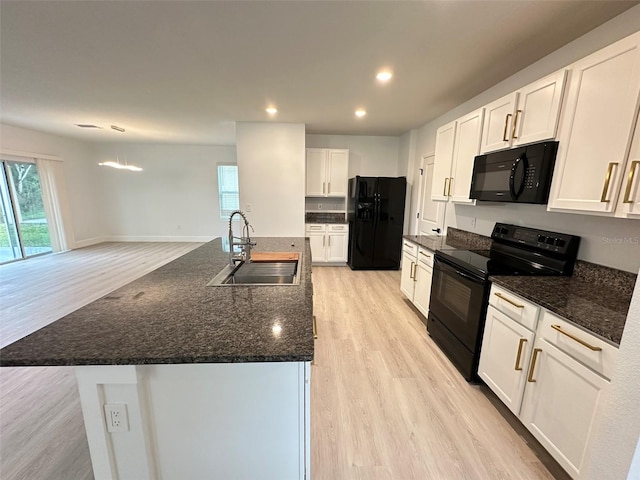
263, 273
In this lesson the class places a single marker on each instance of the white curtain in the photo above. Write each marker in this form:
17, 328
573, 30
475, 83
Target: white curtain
52, 184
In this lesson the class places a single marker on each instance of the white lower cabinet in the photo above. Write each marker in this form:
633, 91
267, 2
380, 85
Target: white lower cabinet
560, 403
506, 350
553, 378
329, 242
416, 274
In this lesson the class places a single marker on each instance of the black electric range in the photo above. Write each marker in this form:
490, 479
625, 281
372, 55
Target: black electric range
460, 286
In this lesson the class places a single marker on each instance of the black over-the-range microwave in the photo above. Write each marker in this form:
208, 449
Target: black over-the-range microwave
519, 175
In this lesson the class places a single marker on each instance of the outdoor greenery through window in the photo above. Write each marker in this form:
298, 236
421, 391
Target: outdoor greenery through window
228, 189
23, 228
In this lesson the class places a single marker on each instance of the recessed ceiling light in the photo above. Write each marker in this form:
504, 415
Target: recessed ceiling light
117, 128
361, 112
384, 76
272, 110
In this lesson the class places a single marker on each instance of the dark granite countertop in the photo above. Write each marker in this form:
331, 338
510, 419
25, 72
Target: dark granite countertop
325, 217
171, 316
595, 298
597, 308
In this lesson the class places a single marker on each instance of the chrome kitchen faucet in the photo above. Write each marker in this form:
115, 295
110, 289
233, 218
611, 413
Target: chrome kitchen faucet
245, 242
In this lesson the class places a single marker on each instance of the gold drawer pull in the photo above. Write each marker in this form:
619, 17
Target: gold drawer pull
315, 329
519, 356
499, 295
607, 180
506, 126
515, 123
450, 183
422, 253
536, 351
632, 174
444, 192
579, 340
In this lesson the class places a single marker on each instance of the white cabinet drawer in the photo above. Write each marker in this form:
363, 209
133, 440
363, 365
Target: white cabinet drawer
521, 310
425, 257
410, 248
337, 228
593, 352
311, 227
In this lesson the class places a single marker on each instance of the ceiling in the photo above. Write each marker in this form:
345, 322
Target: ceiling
186, 71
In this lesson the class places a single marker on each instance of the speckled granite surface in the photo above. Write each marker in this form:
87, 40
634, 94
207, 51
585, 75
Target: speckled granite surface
171, 316
313, 217
455, 239
595, 298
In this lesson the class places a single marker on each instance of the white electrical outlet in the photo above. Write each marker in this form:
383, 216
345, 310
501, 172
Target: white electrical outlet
249, 207
319, 206
473, 222
116, 417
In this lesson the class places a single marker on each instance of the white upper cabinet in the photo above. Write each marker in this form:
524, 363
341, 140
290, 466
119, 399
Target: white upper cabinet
538, 111
525, 116
629, 201
596, 131
457, 144
467, 146
498, 116
445, 137
326, 172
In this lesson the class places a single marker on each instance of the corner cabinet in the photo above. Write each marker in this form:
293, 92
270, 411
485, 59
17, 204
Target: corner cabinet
457, 145
525, 116
329, 242
326, 172
549, 372
596, 132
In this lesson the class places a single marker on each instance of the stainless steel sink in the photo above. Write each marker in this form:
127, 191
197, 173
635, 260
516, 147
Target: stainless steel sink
258, 274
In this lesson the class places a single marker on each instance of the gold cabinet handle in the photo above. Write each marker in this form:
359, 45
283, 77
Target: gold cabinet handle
519, 356
449, 191
499, 295
424, 254
506, 126
530, 378
444, 192
515, 123
411, 270
607, 180
579, 340
632, 174
323, 187
328, 188
329, 240
323, 241
315, 328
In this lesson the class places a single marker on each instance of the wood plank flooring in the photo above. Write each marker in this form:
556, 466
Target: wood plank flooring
386, 403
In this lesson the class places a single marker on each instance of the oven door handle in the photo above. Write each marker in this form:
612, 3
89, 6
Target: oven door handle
468, 277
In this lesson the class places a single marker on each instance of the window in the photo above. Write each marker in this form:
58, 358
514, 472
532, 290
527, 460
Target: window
228, 193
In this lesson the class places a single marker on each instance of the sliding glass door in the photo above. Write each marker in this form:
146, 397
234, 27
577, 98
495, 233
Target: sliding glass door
24, 231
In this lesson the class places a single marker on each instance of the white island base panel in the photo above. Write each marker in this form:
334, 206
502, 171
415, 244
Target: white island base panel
199, 421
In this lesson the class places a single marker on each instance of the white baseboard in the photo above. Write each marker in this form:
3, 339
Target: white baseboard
156, 238
89, 241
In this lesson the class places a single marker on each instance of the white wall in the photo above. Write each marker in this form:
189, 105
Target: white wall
617, 427
368, 156
174, 198
83, 191
271, 167
611, 242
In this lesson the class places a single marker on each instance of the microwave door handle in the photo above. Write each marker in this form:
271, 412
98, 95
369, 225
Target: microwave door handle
521, 160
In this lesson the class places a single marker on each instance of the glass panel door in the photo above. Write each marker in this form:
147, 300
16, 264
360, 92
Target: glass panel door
9, 241
25, 231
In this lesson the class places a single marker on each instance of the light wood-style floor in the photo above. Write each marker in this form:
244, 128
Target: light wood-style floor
386, 403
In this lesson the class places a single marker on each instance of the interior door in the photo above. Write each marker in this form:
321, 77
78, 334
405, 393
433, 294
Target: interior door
430, 213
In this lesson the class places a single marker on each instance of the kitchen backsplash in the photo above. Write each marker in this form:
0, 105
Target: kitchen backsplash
324, 217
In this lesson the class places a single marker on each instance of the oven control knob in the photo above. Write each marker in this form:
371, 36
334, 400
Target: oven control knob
542, 238
560, 242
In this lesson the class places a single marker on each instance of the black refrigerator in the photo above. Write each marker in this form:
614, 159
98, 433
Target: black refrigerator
375, 211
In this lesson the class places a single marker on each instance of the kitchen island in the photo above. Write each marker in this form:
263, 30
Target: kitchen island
214, 380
